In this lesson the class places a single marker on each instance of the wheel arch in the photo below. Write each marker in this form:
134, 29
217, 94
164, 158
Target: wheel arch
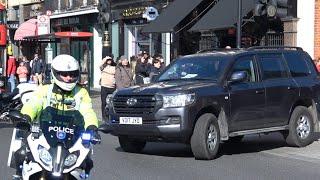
220, 114
311, 105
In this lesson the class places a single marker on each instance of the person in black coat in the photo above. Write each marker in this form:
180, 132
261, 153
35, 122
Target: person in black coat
156, 68
142, 70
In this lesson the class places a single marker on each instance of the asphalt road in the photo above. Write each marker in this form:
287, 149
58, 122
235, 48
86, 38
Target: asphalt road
265, 157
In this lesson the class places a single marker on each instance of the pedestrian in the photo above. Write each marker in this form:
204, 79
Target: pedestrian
22, 72
11, 72
37, 69
27, 64
107, 81
123, 76
142, 70
156, 68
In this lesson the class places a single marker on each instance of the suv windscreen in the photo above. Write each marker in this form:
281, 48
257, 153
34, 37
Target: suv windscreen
195, 68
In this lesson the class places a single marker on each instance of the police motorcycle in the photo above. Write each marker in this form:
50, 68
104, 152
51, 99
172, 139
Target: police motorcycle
56, 146
15, 100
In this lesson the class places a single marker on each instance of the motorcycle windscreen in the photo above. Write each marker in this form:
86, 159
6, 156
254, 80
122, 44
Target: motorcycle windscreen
63, 127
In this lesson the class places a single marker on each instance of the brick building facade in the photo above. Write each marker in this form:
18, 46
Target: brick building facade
317, 30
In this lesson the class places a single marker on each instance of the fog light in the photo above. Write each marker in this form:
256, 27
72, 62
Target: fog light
173, 120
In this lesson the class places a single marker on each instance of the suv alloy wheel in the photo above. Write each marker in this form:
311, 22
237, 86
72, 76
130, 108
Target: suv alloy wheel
301, 127
205, 140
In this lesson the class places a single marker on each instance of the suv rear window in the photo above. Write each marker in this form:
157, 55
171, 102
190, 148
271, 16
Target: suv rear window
272, 67
297, 65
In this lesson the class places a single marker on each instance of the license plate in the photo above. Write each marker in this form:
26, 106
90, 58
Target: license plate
130, 120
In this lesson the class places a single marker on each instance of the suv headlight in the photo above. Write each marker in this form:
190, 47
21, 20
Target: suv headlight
45, 156
179, 100
70, 160
109, 99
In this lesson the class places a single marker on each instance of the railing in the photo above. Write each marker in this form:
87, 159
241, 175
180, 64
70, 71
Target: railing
67, 5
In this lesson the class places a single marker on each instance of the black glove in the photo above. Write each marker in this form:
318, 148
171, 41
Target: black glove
24, 122
96, 139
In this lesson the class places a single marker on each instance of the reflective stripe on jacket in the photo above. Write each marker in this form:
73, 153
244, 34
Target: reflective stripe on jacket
44, 97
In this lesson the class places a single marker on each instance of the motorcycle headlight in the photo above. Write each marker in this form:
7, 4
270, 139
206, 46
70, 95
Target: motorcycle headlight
86, 136
70, 160
45, 156
179, 100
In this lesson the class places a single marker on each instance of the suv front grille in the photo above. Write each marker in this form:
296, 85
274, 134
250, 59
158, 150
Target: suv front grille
145, 104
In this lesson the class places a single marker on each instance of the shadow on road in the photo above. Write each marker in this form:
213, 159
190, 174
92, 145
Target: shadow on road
5, 125
250, 144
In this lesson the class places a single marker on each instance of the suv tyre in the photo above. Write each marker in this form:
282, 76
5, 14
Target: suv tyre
301, 127
205, 140
131, 145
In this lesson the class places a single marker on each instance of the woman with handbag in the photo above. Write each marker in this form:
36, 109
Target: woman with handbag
107, 81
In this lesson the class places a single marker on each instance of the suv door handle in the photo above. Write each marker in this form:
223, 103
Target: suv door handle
259, 91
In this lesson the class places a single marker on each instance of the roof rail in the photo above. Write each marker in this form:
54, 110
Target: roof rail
218, 49
274, 47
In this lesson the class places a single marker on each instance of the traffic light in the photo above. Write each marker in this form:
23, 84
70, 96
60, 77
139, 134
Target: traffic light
272, 8
104, 8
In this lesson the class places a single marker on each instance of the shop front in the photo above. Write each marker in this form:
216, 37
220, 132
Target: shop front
77, 42
126, 30
66, 42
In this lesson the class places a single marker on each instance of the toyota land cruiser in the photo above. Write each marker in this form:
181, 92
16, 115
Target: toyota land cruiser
207, 98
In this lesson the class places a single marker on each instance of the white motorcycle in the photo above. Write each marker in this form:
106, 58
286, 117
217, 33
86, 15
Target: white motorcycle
57, 147
15, 100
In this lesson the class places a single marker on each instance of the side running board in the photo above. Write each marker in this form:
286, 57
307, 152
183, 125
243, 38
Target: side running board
256, 131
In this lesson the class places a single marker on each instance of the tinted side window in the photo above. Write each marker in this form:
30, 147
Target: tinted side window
272, 67
245, 64
309, 61
297, 65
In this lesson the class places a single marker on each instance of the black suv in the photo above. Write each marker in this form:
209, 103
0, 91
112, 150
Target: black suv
207, 98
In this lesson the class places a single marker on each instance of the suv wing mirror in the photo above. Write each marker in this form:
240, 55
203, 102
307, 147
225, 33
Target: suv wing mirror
239, 76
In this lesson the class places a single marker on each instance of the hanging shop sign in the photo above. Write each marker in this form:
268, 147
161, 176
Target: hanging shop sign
133, 12
150, 14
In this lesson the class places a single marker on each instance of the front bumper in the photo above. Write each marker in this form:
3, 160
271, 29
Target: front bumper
166, 124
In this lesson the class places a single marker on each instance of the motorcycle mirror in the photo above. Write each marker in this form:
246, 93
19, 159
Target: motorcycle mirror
15, 115
105, 128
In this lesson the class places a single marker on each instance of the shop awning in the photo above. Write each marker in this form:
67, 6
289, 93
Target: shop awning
223, 15
59, 35
171, 16
28, 28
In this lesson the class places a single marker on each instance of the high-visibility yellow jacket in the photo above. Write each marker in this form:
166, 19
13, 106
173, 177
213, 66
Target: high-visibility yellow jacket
45, 96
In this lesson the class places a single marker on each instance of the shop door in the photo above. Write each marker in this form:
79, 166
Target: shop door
138, 41
80, 51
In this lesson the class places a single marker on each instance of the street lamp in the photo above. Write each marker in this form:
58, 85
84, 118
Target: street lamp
104, 19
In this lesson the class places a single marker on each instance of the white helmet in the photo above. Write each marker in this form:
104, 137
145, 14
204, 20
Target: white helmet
65, 65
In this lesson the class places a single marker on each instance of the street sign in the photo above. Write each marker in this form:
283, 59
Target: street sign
43, 24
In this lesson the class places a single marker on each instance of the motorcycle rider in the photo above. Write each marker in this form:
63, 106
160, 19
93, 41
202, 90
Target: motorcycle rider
65, 73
